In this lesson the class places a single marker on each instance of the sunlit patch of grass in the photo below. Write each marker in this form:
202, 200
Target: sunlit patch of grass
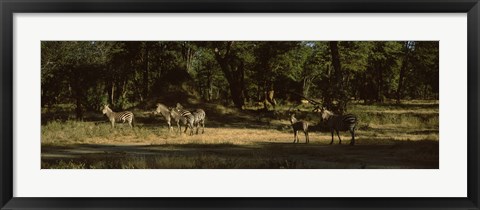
253, 139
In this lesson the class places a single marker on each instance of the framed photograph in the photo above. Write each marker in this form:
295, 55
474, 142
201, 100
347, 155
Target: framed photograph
239, 105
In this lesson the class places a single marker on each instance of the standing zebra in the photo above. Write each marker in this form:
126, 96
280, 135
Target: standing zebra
199, 119
338, 123
171, 114
123, 117
185, 116
299, 125
165, 112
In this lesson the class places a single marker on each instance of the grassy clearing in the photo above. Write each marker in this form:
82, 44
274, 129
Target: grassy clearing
388, 136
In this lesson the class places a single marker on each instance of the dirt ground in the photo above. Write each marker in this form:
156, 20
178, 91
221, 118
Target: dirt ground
262, 152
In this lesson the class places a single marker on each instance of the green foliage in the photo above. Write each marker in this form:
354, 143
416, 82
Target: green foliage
126, 74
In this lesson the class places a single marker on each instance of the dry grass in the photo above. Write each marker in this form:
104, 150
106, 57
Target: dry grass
388, 136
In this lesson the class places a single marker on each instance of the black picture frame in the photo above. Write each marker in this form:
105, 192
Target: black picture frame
9, 7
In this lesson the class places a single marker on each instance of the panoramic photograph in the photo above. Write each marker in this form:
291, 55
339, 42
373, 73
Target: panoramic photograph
239, 104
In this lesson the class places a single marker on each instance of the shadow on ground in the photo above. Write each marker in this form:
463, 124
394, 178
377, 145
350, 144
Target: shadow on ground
397, 155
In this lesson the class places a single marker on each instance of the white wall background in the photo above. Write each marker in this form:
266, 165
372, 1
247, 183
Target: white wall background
448, 181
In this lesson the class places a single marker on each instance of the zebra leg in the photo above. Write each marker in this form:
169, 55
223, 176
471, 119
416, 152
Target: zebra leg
353, 137
197, 127
307, 139
203, 126
113, 123
169, 126
294, 136
339, 139
331, 131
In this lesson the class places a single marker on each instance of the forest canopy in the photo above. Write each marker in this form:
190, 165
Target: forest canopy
126, 74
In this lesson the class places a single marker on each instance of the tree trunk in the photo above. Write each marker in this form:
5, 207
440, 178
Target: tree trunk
233, 69
403, 70
124, 92
336, 89
400, 82
379, 97
78, 109
307, 84
188, 53
77, 91
209, 88
235, 80
271, 96
112, 98
146, 71
237, 96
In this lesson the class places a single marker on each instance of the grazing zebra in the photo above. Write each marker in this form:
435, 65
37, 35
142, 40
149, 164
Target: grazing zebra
185, 116
299, 126
118, 116
338, 123
199, 119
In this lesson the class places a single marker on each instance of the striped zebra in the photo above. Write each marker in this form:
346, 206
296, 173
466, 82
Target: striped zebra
338, 123
123, 117
199, 119
185, 116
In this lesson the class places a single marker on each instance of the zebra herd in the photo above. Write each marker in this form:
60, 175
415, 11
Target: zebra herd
195, 119
179, 115
335, 123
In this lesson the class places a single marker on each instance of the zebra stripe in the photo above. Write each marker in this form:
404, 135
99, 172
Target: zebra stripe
123, 117
186, 117
338, 123
199, 119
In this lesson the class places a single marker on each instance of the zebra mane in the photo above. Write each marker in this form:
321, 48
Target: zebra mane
175, 113
179, 106
163, 109
106, 109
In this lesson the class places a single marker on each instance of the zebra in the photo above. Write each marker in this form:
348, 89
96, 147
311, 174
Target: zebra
123, 117
171, 114
299, 125
165, 112
199, 119
338, 123
185, 116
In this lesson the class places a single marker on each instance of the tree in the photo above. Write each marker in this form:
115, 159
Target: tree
336, 92
232, 58
423, 79
408, 46
273, 59
125, 74
70, 71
